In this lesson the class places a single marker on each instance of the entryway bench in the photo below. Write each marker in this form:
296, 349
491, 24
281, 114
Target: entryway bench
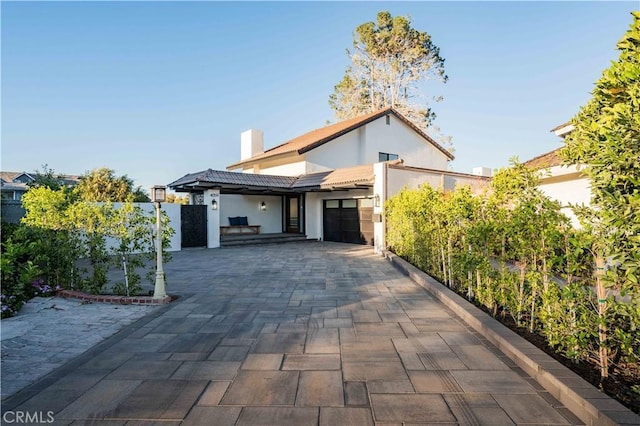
239, 225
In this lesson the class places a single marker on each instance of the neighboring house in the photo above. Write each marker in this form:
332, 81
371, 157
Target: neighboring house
13, 185
328, 184
564, 183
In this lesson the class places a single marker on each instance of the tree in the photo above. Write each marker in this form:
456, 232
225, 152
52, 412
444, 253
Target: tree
103, 185
47, 178
173, 198
606, 145
389, 60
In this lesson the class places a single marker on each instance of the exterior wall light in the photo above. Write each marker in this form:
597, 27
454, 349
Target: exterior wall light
376, 200
263, 206
214, 205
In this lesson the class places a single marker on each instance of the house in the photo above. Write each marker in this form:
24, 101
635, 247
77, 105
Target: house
560, 182
328, 184
13, 185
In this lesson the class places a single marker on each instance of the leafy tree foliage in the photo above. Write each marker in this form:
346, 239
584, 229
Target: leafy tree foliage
389, 60
173, 198
102, 185
47, 178
606, 144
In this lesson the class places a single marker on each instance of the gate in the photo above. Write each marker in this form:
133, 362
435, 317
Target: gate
193, 225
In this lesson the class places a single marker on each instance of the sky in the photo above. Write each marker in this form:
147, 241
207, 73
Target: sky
157, 90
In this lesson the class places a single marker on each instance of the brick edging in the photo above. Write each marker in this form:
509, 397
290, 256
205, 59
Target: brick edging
116, 300
587, 402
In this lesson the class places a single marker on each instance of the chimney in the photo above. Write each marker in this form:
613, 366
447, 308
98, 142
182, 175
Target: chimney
251, 144
481, 171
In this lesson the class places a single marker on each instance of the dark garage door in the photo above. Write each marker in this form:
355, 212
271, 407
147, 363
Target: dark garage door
193, 225
348, 221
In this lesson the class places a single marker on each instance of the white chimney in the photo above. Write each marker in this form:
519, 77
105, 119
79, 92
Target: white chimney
251, 143
482, 171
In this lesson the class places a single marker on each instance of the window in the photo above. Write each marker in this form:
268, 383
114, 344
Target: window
383, 156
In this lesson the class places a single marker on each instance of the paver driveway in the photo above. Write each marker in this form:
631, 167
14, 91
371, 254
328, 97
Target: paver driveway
303, 334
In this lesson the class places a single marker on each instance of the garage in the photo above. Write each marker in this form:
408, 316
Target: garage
348, 220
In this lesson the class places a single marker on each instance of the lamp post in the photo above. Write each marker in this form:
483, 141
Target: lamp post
158, 195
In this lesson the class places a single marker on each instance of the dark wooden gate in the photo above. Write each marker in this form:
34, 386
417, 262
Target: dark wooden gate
193, 225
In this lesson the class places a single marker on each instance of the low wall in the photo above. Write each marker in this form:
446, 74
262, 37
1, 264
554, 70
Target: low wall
12, 212
172, 210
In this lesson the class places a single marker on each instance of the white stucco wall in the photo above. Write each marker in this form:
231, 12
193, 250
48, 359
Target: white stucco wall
389, 180
412, 179
292, 169
313, 212
573, 191
213, 218
363, 145
414, 150
270, 221
172, 210
379, 189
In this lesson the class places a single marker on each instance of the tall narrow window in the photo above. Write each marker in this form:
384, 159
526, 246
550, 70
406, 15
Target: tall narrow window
388, 119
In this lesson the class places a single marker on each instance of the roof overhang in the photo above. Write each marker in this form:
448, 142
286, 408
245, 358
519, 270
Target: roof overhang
563, 129
359, 177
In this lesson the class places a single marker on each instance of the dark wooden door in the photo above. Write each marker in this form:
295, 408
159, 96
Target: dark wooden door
193, 226
348, 221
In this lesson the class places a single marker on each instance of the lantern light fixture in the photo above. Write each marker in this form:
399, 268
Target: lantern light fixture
158, 193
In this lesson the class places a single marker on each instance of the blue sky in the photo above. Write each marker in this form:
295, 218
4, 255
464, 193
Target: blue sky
156, 90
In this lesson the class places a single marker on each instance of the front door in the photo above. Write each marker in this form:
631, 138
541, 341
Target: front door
292, 213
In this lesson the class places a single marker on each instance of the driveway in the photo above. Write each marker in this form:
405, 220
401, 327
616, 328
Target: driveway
303, 334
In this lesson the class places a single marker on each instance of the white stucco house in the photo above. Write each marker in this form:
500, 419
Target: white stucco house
328, 184
563, 183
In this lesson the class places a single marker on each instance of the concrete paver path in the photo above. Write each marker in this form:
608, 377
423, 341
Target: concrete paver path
301, 334
50, 331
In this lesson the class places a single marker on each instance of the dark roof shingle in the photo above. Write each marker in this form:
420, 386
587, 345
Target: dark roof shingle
549, 159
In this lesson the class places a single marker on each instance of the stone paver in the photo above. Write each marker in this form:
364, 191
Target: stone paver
301, 334
50, 331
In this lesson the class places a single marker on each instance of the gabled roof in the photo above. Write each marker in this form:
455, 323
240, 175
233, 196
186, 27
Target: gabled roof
10, 177
248, 182
549, 159
318, 137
